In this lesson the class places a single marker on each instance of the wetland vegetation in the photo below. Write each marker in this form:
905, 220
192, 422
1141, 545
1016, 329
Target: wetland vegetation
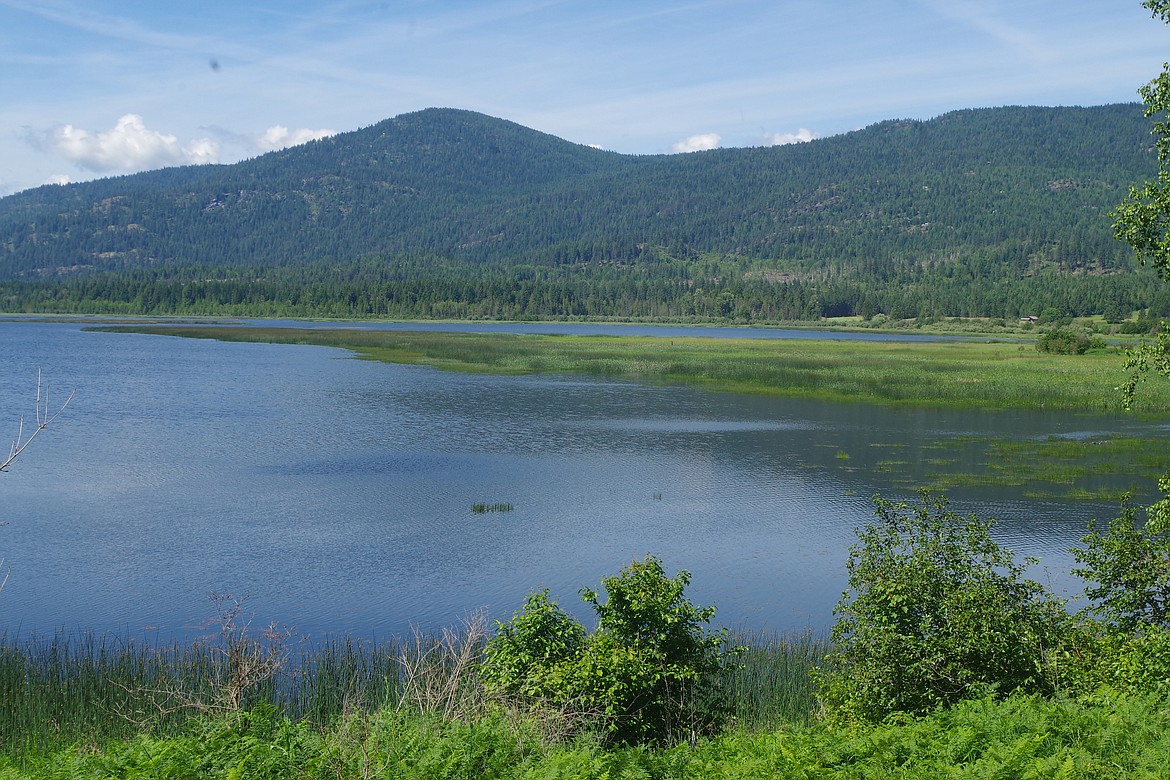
957, 374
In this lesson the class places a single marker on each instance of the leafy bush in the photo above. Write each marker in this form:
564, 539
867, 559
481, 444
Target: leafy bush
1128, 570
527, 654
1140, 326
643, 672
1103, 658
1128, 566
1063, 342
937, 612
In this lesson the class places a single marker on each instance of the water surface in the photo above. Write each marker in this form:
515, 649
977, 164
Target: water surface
336, 493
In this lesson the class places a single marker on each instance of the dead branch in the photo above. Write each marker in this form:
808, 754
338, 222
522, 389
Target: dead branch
439, 672
243, 659
43, 418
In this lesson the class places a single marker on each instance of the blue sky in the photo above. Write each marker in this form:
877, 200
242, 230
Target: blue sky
97, 88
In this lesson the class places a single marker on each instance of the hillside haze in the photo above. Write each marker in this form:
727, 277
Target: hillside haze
443, 212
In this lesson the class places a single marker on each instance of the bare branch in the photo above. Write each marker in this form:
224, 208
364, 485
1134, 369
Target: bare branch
44, 416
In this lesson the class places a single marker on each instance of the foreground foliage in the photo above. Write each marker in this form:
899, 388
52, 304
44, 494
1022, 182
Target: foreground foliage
87, 690
1128, 566
1023, 736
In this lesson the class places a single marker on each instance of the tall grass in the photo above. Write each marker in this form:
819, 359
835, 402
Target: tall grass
771, 684
85, 688
89, 689
348, 711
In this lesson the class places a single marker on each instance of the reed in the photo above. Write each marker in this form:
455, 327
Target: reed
88, 689
480, 509
85, 688
771, 684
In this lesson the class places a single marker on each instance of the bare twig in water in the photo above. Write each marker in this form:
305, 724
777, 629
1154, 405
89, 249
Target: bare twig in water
43, 418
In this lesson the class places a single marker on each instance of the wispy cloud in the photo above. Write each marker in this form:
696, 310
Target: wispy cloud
985, 19
698, 143
81, 17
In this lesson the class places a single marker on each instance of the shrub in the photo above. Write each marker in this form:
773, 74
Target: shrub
937, 612
1063, 342
659, 656
1108, 659
1140, 326
643, 673
526, 655
1128, 566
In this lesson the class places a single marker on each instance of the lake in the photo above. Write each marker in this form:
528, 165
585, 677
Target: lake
337, 494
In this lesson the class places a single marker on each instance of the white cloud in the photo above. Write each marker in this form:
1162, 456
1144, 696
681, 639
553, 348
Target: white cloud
780, 139
59, 178
202, 151
698, 143
279, 137
129, 146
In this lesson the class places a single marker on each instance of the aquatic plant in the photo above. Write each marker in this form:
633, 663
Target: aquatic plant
480, 508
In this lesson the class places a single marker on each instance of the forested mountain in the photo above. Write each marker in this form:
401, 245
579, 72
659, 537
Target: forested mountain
447, 213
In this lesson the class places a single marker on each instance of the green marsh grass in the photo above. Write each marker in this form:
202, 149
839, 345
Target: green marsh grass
772, 683
1053, 467
957, 374
87, 689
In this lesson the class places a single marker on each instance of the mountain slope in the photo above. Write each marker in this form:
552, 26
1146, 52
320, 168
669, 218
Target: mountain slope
987, 194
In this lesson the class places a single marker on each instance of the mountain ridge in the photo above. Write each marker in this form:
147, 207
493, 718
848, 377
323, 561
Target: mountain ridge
443, 194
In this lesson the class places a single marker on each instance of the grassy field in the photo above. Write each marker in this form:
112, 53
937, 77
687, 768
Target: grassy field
958, 374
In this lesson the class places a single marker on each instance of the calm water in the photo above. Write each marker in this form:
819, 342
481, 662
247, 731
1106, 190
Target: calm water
336, 493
